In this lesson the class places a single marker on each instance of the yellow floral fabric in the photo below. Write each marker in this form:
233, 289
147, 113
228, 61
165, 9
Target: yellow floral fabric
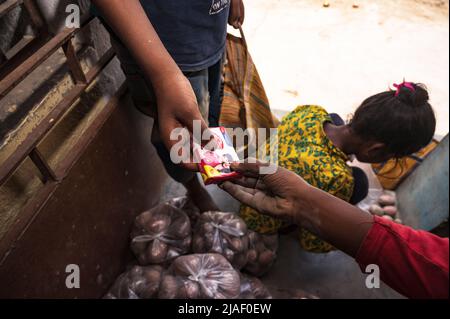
304, 148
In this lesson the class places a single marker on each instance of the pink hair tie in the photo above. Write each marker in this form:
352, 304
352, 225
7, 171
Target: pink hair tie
407, 85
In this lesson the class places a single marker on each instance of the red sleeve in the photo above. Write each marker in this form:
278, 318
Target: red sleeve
413, 262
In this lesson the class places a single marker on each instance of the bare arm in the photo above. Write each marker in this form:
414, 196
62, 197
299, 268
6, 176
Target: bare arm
287, 196
132, 26
177, 104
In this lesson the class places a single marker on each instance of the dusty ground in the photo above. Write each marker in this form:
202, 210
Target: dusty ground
338, 56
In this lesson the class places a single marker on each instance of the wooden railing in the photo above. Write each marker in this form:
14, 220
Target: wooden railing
11, 75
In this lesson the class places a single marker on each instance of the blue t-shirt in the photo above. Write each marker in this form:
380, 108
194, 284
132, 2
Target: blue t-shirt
193, 31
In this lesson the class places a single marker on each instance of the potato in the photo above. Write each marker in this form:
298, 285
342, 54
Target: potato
216, 259
169, 288
253, 288
266, 258
159, 251
143, 218
240, 260
230, 285
376, 210
208, 228
181, 227
190, 290
270, 240
390, 210
228, 254
252, 255
262, 253
160, 224
184, 265
387, 200
135, 271
198, 244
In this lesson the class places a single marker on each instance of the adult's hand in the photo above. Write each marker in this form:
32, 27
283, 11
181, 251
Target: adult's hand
276, 195
237, 14
286, 195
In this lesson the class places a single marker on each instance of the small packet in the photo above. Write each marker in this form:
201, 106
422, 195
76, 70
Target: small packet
214, 165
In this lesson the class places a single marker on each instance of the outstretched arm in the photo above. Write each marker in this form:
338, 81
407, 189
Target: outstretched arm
177, 104
287, 196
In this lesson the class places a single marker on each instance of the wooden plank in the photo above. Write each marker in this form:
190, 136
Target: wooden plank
10, 79
47, 172
66, 164
8, 167
35, 15
18, 74
34, 206
73, 63
8, 5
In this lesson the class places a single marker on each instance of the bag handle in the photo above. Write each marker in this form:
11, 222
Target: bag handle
244, 40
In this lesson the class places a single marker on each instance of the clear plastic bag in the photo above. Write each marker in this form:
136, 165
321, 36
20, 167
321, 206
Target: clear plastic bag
200, 276
161, 234
253, 288
262, 252
222, 233
188, 207
137, 283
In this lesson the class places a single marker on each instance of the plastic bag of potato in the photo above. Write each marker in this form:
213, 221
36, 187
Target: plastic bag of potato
137, 283
222, 233
262, 252
161, 234
253, 288
200, 276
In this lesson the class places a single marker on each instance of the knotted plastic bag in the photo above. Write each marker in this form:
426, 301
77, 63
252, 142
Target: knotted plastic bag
137, 283
200, 276
253, 288
262, 252
222, 233
161, 234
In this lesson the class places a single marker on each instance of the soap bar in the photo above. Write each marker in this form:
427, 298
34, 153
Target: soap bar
214, 165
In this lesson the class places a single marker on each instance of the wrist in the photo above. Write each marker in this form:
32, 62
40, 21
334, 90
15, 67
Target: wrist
305, 207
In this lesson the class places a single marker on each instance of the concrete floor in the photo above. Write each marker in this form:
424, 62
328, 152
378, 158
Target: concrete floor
338, 56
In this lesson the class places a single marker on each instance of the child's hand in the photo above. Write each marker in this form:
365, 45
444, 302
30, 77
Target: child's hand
237, 14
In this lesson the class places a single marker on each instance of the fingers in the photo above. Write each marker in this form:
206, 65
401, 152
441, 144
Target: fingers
254, 198
249, 182
241, 193
235, 14
253, 168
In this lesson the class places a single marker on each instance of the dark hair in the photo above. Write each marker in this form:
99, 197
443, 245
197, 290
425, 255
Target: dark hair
404, 123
